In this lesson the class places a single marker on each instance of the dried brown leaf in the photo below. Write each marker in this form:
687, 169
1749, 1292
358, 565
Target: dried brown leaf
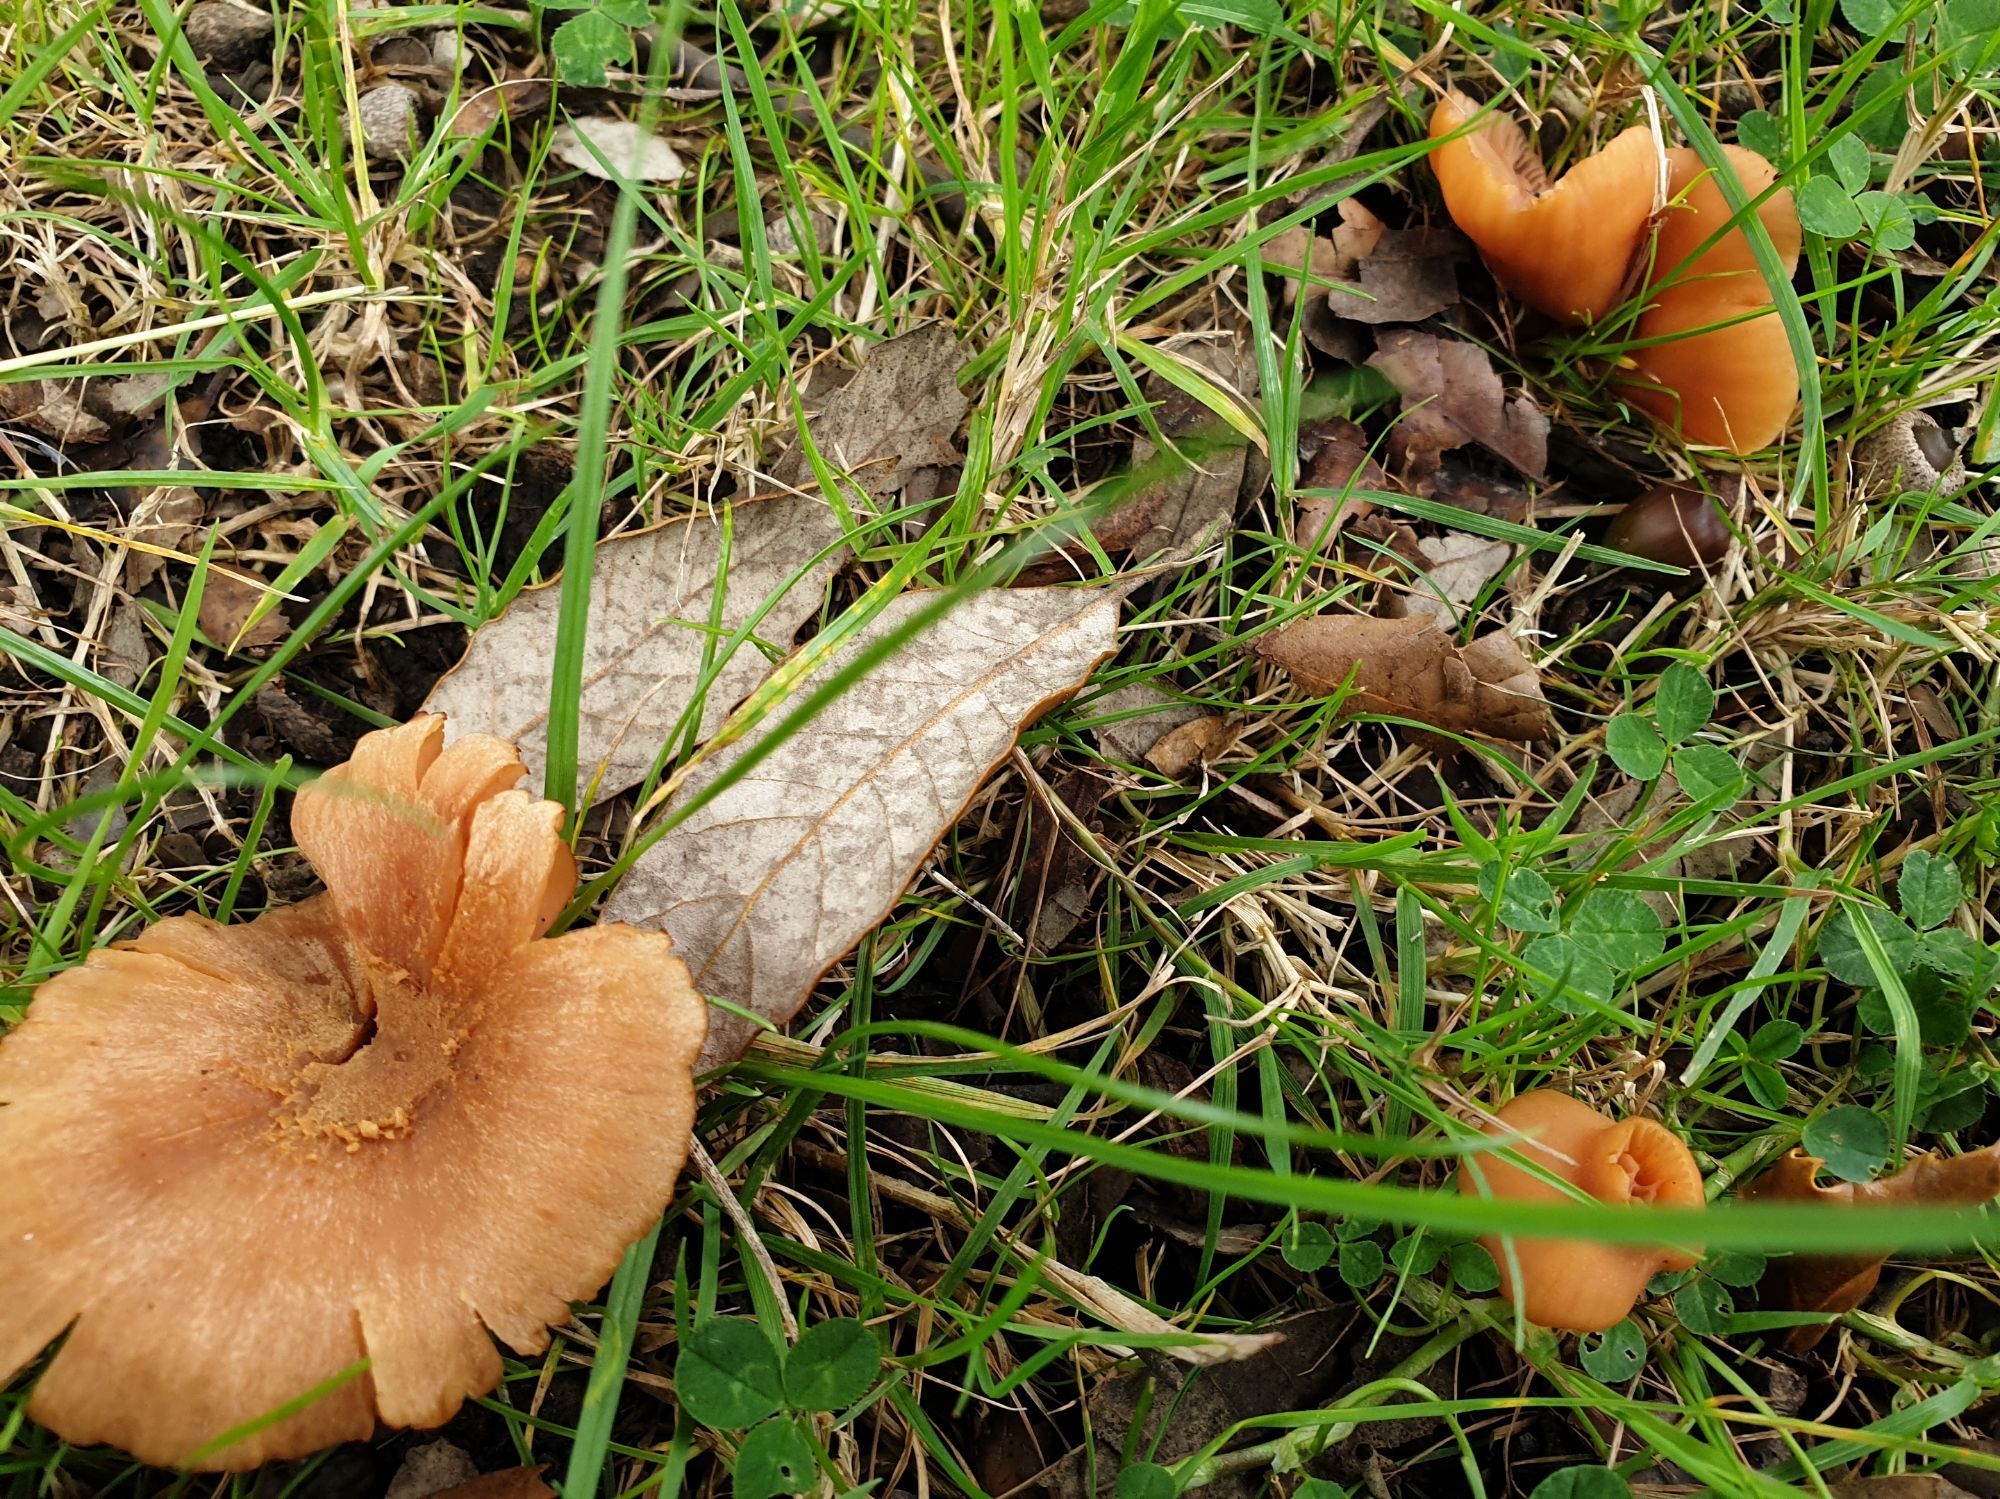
1137, 718
608, 148
1397, 275
1451, 396
1190, 745
1058, 874
226, 606
773, 882
1175, 499
1334, 455
1409, 668
512, 98
1192, 499
52, 408
1287, 252
1841, 1282
898, 416
1455, 569
651, 599
508, 1483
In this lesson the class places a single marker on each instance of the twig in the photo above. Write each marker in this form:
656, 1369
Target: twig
746, 1232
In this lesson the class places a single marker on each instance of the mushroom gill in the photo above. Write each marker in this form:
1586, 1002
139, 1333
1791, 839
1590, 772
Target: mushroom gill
1565, 248
1575, 1284
376, 1124
1712, 358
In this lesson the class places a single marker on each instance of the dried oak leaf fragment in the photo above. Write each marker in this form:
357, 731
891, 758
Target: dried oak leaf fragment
377, 1124
1455, 568
227, 604
1733, 386
1840, 1282
1576, 1284
1565, 248
507, 1483
1335, 455
1409, 668
1392, 275
1452, 396
897, 417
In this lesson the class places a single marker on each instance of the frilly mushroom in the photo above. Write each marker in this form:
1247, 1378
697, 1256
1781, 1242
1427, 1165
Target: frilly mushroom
1564, 248
375, 1124
1731, 387
1574, 1284
1911, 453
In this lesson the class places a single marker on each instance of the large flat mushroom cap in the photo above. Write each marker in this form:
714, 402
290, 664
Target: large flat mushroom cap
374, 1125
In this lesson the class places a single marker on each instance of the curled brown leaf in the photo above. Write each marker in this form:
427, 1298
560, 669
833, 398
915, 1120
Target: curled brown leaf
1840, 1282
1452, 396
1409, 668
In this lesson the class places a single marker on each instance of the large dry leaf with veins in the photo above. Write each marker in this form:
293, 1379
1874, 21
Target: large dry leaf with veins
1409, 668
1452, 396
651, 600
1841, 1282
774, 881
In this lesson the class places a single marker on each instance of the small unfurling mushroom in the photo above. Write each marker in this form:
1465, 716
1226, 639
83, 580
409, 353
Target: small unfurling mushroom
1912, 452
1575, 1284
1673, 523
1564, 248
1841, 1282
378, 1124
1733, 386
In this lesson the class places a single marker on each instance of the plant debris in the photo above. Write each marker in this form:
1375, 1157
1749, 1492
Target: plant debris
1452, 396
895, 423
1409, 668
1455, 569
1396, 275
773, 881
648, 642
609, 149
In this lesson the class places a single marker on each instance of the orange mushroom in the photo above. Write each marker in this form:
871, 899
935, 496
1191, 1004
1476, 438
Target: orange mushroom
1733, 386
373, 1125
1565, 248
1575, 1284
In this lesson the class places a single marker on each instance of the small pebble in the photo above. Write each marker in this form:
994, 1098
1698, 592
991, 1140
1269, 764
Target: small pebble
228, 34
388, 114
